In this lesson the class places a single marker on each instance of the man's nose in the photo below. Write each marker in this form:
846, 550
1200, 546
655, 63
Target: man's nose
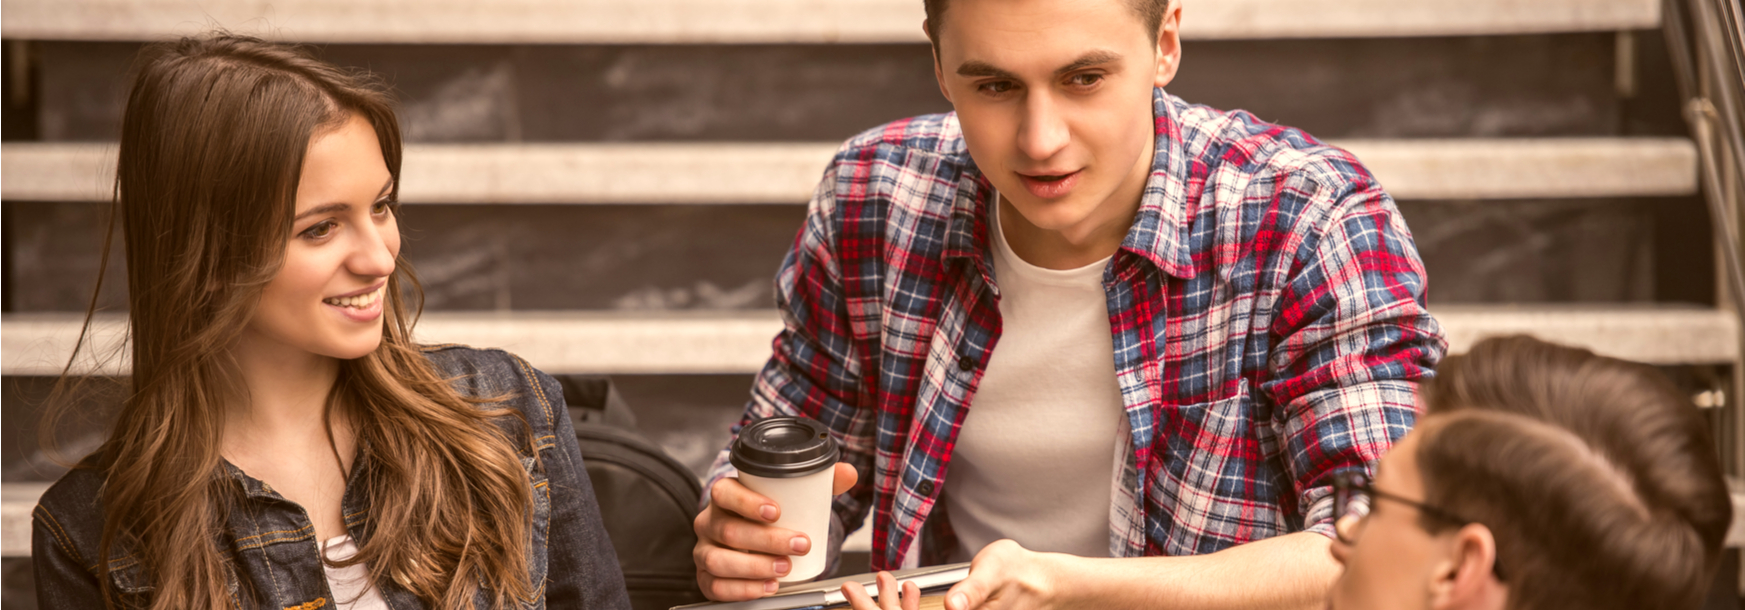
1043, 132
1340, 551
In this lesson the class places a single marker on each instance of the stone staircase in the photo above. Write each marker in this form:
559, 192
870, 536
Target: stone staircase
607, 187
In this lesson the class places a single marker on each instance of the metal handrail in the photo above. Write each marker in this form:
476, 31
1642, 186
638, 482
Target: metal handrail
1706, 40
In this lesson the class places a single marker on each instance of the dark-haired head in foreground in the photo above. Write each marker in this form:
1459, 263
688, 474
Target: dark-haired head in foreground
1543, 476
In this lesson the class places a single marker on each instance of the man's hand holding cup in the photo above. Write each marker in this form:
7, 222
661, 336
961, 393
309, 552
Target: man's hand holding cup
768, 525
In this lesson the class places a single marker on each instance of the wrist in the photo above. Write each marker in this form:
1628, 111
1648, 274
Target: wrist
1064, 581
1102, 583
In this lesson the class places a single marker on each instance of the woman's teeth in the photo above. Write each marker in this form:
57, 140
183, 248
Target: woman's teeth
358, 302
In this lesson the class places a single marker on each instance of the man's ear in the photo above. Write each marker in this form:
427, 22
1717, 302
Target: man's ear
1466, 576
1169, 44
938, 74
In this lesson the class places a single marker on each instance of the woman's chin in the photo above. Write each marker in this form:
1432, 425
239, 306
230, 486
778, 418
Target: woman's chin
352, 350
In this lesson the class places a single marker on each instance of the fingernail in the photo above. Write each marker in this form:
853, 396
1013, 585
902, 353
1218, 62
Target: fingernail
800, 545
770, 586
768, 511
782, 567
959, 601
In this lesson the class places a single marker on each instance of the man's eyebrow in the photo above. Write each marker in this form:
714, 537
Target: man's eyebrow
976, 68
1091, 59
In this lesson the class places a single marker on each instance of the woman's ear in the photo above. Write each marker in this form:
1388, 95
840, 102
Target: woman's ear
1466, 578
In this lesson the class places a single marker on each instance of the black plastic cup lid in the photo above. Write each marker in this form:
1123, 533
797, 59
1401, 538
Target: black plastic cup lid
783, 447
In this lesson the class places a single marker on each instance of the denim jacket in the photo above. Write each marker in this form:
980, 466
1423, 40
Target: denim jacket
271, 542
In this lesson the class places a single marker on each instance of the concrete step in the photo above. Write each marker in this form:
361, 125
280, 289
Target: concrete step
738, 342
556, 342
739, 173
1656, 334
763, 21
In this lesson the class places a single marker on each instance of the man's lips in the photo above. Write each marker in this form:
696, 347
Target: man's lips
1050, 186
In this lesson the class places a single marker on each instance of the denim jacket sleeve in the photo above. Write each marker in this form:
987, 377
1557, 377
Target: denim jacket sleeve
62, 580
581, 566
584, 570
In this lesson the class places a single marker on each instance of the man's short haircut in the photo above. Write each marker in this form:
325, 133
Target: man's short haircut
1150, 14
1598, 480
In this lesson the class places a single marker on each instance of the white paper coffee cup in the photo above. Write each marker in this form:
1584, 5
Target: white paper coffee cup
791, 460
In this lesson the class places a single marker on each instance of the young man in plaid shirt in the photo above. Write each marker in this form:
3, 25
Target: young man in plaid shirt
1110, 345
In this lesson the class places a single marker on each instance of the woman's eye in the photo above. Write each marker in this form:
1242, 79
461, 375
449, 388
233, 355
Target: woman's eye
382, 207
320, 230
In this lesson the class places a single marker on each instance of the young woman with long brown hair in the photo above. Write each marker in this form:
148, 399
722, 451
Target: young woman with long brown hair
285, 444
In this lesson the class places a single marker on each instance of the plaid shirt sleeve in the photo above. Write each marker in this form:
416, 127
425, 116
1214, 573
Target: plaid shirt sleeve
1352, 338
815, 369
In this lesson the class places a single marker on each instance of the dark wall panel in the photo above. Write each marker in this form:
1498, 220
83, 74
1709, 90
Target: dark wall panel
659, 257
1535, 251
52, 256
1549, 85
736, 93
599, 257
1488, 86
479, 257
19, 88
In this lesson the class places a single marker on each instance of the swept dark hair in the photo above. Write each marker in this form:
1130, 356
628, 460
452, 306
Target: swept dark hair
212, 146
1598, 479
1150, 14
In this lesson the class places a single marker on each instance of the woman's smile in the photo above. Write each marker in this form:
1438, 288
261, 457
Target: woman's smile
362, 306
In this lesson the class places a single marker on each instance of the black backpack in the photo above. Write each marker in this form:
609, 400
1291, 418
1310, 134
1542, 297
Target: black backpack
647, 499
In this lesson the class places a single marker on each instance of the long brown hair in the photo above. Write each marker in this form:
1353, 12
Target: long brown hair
1599, 481
211, 151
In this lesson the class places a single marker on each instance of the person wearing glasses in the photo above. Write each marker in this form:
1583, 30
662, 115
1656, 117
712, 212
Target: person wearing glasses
1542, 476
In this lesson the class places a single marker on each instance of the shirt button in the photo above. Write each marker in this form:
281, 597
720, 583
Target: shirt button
925, 488
966, 364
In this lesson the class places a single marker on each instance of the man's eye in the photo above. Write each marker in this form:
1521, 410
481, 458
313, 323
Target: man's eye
997, 87
320, 230
1086, 80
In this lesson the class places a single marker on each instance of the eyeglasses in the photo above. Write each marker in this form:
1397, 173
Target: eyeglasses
1353, 494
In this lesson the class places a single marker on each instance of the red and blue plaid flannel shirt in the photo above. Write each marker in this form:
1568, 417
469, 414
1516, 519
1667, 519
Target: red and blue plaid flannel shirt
1267, 308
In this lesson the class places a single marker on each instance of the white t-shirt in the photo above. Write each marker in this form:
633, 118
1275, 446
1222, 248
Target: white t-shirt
351, 586
1036, 457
